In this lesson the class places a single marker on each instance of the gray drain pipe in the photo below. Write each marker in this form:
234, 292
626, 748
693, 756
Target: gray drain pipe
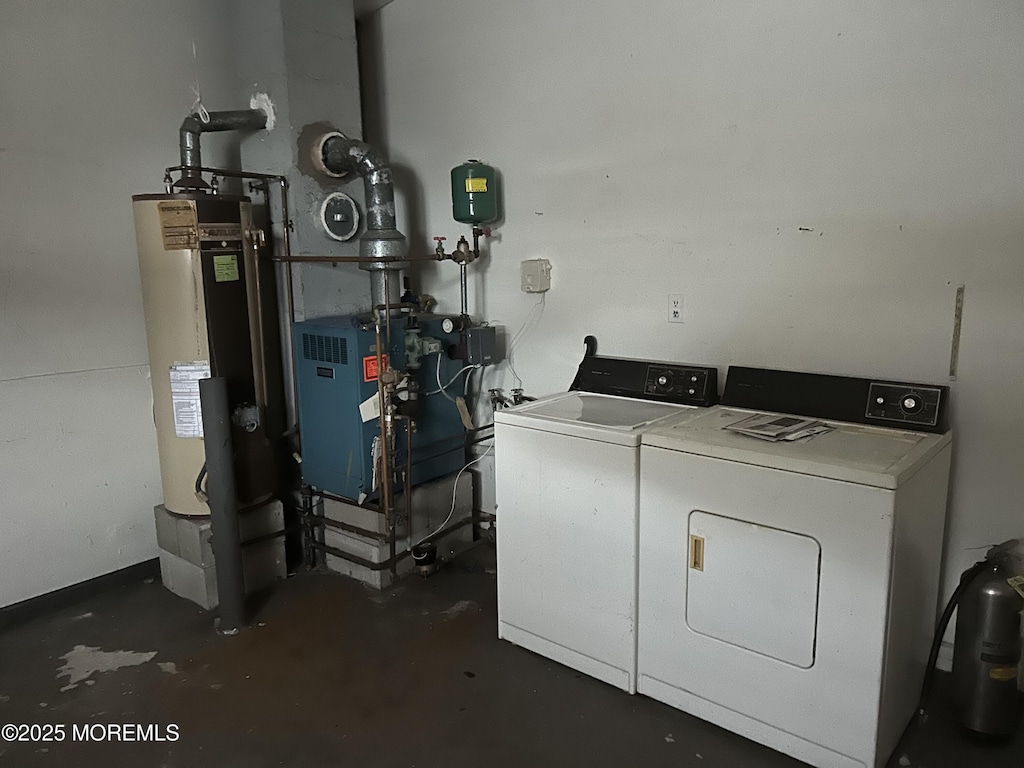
193, 125
220, 484
382, 246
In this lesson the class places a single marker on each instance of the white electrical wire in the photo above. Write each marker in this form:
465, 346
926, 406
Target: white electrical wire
442, 387
530, 319
455, 492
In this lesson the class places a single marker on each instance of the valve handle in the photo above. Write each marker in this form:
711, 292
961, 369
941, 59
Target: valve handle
440, 239
487, 231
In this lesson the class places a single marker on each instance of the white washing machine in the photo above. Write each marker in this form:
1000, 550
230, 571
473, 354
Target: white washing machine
788, 590
567, 475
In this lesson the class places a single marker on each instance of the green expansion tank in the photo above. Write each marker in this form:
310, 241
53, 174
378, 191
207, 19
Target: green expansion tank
474, 193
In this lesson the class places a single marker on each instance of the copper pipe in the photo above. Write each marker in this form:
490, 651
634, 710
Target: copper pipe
385, 434
407, 480
352, 259
261, 332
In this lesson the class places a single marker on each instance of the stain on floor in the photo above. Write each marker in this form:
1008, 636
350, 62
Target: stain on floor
82, 662
333, 674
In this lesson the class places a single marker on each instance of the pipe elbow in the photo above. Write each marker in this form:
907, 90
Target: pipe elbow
194, 125
337, 155
191, 124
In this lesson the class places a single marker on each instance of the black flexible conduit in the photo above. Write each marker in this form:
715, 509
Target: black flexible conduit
929, 675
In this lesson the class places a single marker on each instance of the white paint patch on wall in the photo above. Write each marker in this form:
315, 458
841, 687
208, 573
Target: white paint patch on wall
815, 179
262, 102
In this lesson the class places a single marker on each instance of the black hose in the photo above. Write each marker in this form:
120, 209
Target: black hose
965, 579
200, 493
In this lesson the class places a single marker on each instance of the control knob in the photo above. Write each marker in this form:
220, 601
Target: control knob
911, 403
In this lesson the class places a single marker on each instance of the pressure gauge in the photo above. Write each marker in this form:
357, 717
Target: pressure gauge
339, 216
448, 325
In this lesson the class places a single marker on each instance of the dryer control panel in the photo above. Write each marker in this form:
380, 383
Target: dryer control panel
680, 383
921, 407
911, 404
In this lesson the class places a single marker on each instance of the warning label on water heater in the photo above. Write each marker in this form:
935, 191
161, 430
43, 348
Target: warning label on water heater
178, 224
225, 267
188, 415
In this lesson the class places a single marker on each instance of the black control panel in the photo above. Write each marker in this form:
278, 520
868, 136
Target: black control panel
646, 379
921, 407
913, 404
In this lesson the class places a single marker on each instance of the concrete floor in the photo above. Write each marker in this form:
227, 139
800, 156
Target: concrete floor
331, 674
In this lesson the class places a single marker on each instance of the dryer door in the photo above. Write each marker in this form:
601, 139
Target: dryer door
753, 586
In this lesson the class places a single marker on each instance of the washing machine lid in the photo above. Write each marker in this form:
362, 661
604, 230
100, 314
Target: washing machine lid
855, 453
607, 418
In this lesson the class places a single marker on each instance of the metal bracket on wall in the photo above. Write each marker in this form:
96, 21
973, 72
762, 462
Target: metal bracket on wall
954, 351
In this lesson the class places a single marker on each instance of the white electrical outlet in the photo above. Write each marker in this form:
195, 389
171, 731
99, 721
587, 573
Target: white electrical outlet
675, 307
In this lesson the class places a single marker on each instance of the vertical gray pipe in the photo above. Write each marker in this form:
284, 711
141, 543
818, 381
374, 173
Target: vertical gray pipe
220, 487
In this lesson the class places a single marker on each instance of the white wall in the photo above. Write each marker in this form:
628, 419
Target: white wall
91, 96
662, 147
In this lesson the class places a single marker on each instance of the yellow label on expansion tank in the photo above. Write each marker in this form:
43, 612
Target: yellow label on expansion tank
476, 185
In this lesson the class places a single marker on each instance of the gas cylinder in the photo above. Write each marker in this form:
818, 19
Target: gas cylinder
987, 649
474, 193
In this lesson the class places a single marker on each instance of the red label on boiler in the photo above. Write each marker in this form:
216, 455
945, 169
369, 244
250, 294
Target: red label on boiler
370, 372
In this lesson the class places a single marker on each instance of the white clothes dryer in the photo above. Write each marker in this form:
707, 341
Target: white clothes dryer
788, 590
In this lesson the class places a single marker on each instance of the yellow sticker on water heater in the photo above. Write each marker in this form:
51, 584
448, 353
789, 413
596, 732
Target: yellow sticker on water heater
225, 267
477, 184
1003, 673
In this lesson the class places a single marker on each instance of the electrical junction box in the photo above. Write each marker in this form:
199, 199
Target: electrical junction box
482, 345
535, 275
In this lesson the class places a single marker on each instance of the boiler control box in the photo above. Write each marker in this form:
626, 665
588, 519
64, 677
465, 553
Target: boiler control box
482, 345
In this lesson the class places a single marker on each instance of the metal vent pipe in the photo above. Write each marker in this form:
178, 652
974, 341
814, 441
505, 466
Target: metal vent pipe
193, 125
382, 244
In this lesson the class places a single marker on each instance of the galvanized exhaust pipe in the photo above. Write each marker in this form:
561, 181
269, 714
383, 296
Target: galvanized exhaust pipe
382, 245
194, 125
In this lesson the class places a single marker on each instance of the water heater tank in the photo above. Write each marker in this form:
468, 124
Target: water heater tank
199, 285
474, 193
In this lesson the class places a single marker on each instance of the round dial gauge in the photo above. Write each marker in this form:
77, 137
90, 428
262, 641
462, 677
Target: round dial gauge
448, 325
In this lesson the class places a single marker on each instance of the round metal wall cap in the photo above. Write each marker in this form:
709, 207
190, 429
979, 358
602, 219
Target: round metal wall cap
339, 216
